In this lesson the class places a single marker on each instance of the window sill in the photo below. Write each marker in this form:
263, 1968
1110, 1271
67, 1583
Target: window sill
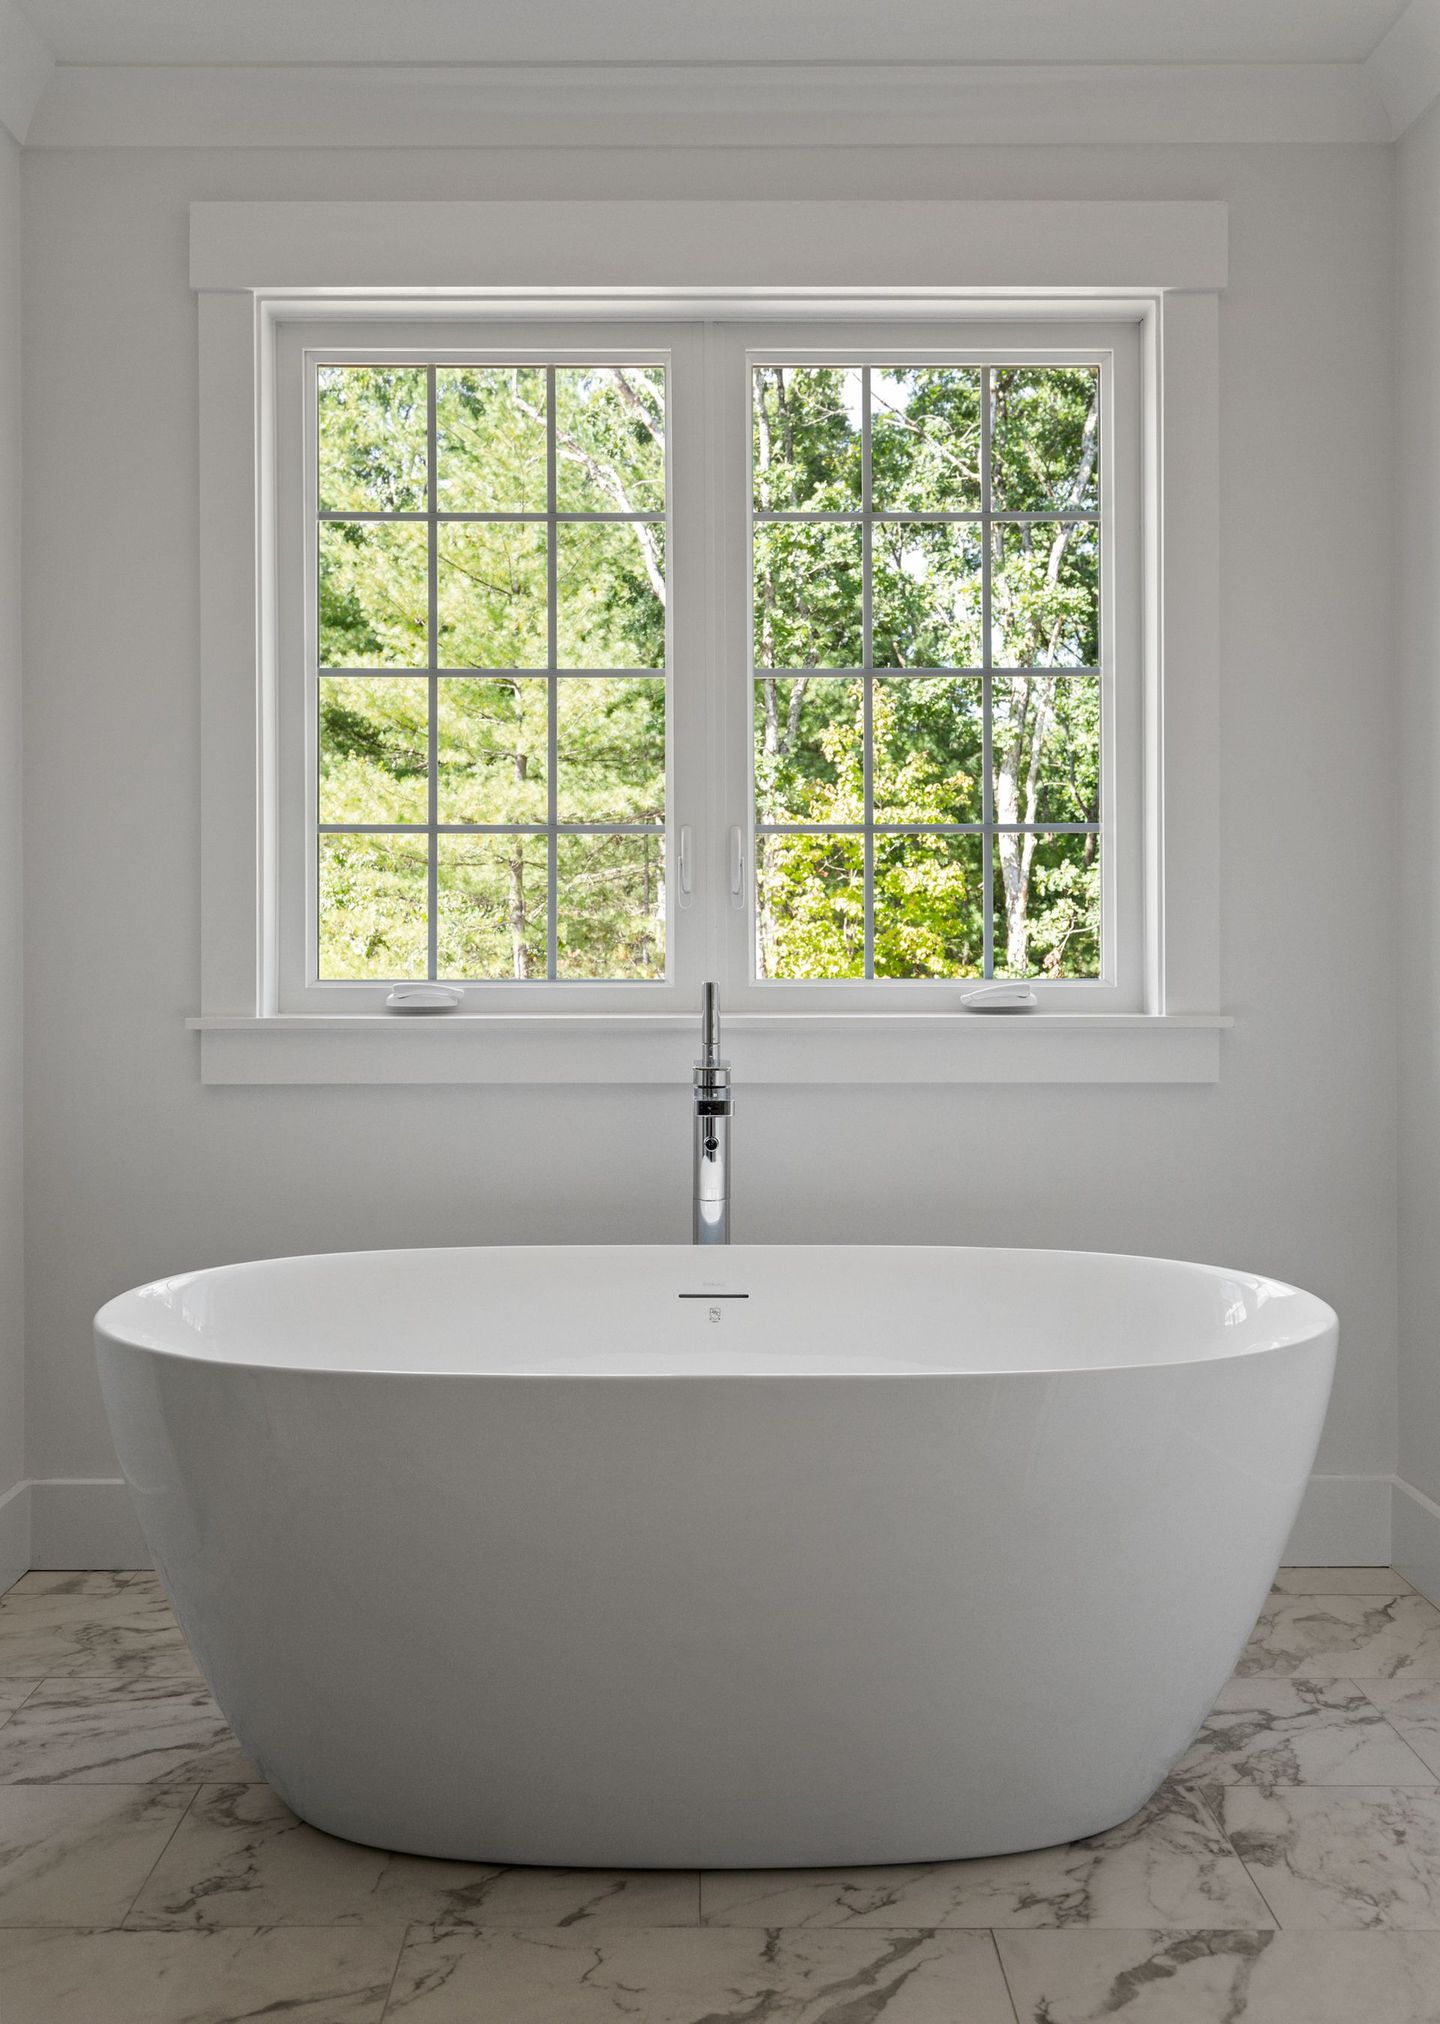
764, 1047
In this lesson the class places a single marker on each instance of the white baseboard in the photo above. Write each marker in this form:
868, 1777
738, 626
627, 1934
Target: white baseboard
1416, 1547
14, 1534
1344, 1522
84, 1523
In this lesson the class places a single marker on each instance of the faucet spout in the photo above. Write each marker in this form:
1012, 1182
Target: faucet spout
709, 1025
714, 1107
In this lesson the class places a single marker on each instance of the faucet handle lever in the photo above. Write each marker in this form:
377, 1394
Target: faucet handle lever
737, 869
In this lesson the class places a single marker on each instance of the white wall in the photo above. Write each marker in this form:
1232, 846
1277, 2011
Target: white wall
1418, 526
1288, 1164
14, 1543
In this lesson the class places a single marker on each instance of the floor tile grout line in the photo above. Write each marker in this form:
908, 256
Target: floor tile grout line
49, 1681
523, 1929
183, 1814
1203, 1803
1403, 1740
1279, 1927
1229, 1843
1000, 1964
913, 1931
384, 2010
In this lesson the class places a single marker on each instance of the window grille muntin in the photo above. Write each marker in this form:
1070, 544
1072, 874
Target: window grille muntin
433, 517
987, 518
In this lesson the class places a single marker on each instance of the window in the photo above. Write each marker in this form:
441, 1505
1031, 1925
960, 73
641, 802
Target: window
709, 291
927, 617
490, 681
802, 656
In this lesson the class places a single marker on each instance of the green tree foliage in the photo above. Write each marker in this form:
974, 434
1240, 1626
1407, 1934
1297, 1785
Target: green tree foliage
926, 457
492, 731
483, 689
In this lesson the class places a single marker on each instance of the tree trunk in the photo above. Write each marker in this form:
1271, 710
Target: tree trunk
518, 911
519, 948
1020, 759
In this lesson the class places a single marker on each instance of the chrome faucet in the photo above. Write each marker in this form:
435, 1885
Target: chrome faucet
713, 1108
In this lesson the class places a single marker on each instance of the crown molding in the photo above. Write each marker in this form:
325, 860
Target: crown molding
26, 67
703, 105
1404, 65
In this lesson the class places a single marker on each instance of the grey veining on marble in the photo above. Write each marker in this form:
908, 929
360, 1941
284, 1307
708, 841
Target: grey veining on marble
127, 1731
1358, 1637
41, 1583
340, 1976
1169, 1865
699, 1976
1412, 1708
242, 1858
76, 1855
130, 1633
1321, 1761
1223, 1978
1330, 1856
1291, 1732
1341, 1581
14, 1694
144, 1582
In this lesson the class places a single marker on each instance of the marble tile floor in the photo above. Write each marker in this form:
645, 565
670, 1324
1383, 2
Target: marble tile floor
1288, 1872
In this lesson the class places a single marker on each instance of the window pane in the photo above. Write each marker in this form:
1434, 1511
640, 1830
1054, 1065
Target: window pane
810, 906
1045, 594
1047, 906
611, 750
1045, 748
610, 896
492, 750
610, 439
929, 906
372, 438
926, 594
809, 749
374, 748
929, 761
491, 596
611, 590
374, 597
491, 896
808, 591
925, 439
1044, 445
490, 439
372, 907
807, 429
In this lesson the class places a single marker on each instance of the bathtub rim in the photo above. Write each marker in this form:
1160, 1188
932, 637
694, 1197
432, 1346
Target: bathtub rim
1323, 1322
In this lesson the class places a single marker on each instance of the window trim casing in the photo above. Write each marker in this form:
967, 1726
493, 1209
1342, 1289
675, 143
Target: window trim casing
243, 1038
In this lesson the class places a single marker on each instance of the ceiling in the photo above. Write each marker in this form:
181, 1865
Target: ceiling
710, 31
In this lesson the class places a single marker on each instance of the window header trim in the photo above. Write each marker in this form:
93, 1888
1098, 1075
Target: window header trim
787, 245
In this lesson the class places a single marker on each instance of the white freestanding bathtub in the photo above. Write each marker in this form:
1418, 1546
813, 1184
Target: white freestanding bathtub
631, 1557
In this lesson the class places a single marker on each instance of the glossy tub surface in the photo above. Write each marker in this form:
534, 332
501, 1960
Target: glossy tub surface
652, 1557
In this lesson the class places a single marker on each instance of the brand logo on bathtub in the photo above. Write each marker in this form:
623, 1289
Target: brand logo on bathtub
714, 1312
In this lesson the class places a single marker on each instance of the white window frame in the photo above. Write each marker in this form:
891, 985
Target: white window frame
710, 929
289, 926
261, 267
975, 338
